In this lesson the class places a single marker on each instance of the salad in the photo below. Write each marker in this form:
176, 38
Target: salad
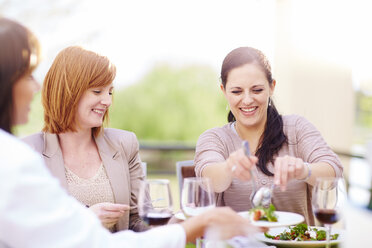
262, 213
302, 232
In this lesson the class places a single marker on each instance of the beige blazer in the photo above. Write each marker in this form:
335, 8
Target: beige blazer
119, 153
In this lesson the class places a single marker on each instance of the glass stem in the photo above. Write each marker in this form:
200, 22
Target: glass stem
328, 230
199, 243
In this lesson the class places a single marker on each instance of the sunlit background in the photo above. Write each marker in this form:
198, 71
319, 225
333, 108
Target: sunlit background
136, 35
168, 55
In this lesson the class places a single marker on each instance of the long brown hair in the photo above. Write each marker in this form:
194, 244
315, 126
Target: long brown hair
73, 71
19, 55
273, 137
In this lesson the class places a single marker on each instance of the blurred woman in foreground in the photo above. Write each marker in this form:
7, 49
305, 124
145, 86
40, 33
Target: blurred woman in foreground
34, 210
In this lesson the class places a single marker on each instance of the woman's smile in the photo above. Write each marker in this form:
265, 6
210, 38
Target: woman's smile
100, 112
247, 92
248, 111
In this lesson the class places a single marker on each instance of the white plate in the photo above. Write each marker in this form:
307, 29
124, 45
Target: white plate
180, 216
298, 244
284, 219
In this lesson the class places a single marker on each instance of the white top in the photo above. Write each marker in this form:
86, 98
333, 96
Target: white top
36, 212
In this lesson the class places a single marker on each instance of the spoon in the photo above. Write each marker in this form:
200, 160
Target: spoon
262, 196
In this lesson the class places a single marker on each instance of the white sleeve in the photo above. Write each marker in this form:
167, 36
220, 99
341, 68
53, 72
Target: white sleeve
169, 236
36, 212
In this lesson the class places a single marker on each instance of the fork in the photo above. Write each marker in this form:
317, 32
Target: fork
262, 196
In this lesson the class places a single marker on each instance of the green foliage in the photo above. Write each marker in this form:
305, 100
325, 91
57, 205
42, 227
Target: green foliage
170, 104
35, 119
363, 118
364, 109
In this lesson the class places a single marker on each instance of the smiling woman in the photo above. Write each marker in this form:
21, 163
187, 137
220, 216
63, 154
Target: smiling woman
93, 105
99, 167
77, 71
288, 150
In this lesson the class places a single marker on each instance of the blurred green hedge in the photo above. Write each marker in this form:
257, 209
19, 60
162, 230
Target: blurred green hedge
169, 104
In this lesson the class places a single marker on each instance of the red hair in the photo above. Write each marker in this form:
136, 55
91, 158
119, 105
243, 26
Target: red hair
73, 71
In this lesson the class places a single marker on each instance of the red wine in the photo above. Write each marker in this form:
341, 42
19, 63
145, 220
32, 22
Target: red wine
327, 216
155, 219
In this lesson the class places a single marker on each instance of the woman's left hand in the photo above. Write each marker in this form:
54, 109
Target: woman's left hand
109, 213
288, 168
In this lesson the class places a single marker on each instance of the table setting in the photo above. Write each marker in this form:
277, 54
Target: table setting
329, 195
286, 229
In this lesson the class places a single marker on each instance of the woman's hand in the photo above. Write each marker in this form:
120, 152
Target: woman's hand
237, 165
109, 213
288, 168
240, 165
224, 221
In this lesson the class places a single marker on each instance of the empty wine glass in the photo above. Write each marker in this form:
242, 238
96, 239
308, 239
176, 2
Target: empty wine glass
329, 195
197, 197
155, 205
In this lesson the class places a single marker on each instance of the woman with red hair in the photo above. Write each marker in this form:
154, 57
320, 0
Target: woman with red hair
99, 167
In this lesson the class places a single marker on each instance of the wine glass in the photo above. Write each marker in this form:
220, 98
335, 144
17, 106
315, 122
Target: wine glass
155, 205
329, 195
197, 197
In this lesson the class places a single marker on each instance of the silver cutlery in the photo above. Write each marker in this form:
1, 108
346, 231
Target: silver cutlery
262, 196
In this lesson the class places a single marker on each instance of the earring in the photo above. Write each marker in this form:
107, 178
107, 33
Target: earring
269, 101
227, 107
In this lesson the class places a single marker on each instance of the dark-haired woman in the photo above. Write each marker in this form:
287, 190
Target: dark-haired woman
287, 151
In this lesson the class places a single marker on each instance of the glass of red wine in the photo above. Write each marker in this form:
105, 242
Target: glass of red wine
155, 205
329, 195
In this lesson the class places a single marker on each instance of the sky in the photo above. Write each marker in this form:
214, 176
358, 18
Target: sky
136, 35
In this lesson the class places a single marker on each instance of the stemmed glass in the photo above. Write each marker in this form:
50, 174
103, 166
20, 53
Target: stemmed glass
197, 197
155, 205
329, 194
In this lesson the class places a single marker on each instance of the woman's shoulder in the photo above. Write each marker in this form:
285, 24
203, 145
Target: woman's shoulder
113, 133
119, 137
294, 120
120, 140
218, 131
295, 126
217, 135
224, 129
35, 140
